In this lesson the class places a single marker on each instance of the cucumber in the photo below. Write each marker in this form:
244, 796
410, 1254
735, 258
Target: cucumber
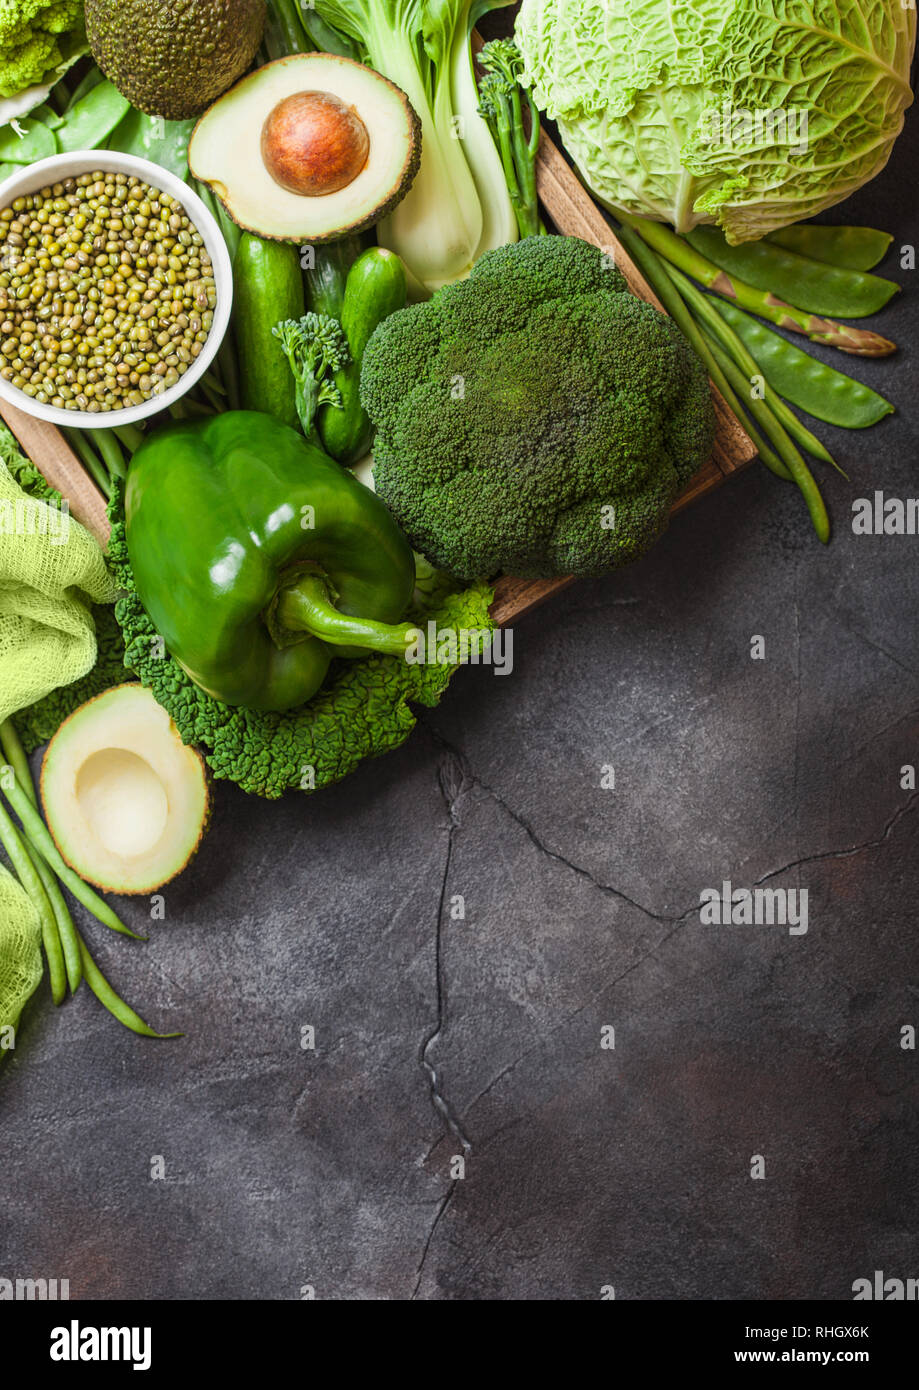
268, 288
375, 288
325, 281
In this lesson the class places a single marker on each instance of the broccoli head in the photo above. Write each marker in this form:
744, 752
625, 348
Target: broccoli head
536, 418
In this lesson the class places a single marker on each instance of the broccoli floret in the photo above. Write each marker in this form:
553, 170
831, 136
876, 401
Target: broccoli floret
536, 418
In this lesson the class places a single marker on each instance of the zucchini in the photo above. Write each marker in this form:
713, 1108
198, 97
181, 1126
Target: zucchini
325, 280
268, 288
375, 288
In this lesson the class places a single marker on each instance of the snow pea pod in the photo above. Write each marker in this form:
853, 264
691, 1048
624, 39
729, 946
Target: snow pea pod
850, 248
811, 385
797, 280
37, 142
149, 137
93, 119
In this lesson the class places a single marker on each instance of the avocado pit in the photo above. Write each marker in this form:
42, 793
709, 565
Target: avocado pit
313, 144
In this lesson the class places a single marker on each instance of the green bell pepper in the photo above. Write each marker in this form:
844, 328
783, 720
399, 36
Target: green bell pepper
258, 558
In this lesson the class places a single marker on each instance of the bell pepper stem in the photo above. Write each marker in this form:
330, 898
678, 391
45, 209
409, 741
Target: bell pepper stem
306, 607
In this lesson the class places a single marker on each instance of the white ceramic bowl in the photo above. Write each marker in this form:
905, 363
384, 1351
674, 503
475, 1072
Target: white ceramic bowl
67, 166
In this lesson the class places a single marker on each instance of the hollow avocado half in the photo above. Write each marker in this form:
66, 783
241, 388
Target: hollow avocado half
309, 148
126, 801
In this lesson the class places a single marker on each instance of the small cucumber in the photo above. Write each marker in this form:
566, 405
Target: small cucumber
375, 288
325, 280
268, 288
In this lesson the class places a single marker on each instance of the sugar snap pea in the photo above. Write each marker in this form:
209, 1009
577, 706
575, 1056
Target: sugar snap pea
822, 391
851, 248
798, 280
26, 142
93, 118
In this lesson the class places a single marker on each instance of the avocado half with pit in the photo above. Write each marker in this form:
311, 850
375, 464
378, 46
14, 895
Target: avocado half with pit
126, 801
309, 148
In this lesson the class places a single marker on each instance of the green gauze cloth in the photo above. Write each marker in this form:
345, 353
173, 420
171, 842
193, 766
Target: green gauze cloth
20, 953
50, 570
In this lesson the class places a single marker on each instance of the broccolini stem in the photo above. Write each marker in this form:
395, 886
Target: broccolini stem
307, 607
315, 346
503, 110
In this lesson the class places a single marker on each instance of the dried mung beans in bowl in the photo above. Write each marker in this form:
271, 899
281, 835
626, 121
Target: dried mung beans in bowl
107, 293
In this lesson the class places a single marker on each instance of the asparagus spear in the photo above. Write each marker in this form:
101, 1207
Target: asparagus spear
820, 330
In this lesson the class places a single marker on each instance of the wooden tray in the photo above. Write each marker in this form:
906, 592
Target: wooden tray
573, 213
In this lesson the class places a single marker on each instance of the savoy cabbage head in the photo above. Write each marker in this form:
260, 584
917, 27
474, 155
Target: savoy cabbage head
751, 114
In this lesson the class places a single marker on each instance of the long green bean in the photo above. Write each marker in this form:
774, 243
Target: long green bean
41, 838
28, 876
90, 460
111, 1001
655, 272
706, 311
784, 446
14, 753
110, 449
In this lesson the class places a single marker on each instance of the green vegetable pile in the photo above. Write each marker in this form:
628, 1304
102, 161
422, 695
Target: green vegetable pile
362, 712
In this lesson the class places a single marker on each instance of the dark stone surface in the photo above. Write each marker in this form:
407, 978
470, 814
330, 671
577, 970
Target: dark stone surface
437, 1037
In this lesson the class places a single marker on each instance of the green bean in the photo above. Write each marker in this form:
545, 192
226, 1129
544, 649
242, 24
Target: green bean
850, 248
28, 876
14, 753
41, 838
87, 455
706, 311
807, 284
655, 272
784, 446
111, 1001
131, 436
811, 385
107, 444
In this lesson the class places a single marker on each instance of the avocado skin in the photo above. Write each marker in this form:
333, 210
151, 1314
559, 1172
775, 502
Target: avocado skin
173, 59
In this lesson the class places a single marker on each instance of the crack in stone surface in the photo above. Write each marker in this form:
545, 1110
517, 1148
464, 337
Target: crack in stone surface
419, 1272
673, 921
453, 778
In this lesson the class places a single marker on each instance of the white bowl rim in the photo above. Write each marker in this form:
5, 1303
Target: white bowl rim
55, 169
